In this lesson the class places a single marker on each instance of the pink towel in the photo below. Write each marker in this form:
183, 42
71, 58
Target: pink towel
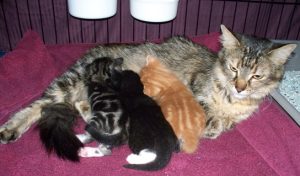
266, 144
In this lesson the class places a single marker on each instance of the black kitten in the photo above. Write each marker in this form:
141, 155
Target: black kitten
151, 138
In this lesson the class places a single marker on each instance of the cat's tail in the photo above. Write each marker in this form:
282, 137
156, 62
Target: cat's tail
163, 156
56, 131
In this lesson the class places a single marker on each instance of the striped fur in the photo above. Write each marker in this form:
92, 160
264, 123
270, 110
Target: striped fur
248, 68
178, 104
106, 120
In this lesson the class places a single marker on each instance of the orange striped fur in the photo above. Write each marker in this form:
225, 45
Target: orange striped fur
178, 105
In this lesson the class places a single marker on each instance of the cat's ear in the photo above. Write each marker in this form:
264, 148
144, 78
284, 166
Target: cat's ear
280, 55
228, 40
150, 59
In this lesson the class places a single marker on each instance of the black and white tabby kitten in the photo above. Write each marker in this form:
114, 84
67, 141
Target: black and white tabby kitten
151, 138
106, 121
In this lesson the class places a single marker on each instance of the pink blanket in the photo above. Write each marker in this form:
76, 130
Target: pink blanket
266, 144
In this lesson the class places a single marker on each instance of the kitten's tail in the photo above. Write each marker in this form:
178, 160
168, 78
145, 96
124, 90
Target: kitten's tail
56, 131
163, 156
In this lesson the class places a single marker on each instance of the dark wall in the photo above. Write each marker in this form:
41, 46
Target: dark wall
275, 19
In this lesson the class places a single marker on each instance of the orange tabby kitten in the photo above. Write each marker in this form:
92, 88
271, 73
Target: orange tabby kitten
178, 105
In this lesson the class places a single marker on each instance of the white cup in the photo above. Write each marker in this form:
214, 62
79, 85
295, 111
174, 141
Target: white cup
92, 9
154, 10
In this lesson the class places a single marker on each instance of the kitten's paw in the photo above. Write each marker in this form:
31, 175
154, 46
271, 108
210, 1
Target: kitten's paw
132, 158
84, 138
90, 152
214, 127
145, 156
105, 149
8, 135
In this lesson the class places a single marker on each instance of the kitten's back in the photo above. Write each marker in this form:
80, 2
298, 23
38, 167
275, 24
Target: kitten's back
181, 110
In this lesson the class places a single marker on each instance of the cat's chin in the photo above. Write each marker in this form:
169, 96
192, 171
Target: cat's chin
239, 96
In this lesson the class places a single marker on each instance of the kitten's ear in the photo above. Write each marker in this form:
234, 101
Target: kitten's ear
119, 61
117, 64
280, 55
150, 59
228, 40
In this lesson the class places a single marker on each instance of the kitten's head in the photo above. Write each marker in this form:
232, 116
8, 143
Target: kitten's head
156, 77
131, 83
250, 67
103, 69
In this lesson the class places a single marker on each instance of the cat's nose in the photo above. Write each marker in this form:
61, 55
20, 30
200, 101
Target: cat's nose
240, 85
239, 89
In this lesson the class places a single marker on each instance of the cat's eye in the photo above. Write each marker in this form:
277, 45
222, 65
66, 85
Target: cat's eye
232, 68
257, 76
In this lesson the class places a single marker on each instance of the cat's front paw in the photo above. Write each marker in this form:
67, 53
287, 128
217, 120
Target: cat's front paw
8, 135
214, 127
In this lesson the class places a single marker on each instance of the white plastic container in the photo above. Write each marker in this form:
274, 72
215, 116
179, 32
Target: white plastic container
92, 9
154, 10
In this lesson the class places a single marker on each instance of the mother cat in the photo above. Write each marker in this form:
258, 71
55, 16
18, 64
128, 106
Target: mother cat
229, 85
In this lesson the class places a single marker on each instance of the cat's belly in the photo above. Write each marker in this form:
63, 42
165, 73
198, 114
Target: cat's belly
78, 92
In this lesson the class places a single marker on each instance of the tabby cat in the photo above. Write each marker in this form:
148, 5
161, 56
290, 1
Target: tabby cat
151, 138
178, 104
230, 85
106, 120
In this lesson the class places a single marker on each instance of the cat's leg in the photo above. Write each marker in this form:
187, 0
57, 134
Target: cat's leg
145, 156
215, 126
21, 121
84, 109
101, 150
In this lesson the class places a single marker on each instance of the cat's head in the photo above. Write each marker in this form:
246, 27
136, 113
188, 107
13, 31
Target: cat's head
250, 66
103, 69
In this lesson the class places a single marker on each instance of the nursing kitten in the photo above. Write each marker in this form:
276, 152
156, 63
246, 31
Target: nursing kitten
230, 85
178, 104
106, 121
151, 138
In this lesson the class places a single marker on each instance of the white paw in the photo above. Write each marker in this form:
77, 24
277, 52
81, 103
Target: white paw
90, 152
145, 156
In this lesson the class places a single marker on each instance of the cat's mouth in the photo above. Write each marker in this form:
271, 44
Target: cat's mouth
239, 95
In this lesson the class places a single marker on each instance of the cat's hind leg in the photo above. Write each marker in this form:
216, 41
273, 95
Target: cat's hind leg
84, 109
21, 121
